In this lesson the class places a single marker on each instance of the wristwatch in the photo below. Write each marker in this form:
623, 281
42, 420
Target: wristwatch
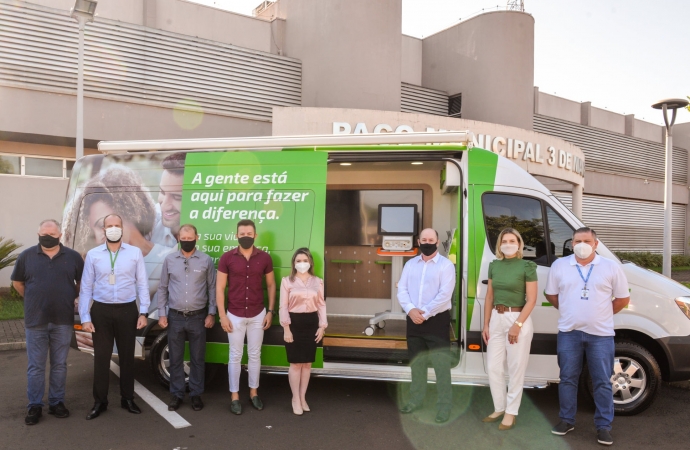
272, 311
144, 314
520, 324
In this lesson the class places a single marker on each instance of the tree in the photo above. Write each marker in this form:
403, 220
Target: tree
7, 246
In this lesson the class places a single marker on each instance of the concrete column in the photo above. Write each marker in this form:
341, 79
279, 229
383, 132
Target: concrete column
586, 113
577, 200
150, 18
630, 124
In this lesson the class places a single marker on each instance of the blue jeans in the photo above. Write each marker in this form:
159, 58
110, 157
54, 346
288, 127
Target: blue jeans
600, 353
40, 340
182, 328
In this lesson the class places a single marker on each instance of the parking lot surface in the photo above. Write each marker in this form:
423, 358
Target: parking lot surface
346, 414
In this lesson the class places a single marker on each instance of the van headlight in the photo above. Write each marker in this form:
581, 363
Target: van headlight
684, 305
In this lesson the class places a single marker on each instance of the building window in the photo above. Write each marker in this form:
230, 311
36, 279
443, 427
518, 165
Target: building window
10, 165
35, 166
455, 106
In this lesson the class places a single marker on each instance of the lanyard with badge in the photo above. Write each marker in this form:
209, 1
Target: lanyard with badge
111, 277
585, 292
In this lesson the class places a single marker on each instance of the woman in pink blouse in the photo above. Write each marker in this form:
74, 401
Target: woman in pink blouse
303, 317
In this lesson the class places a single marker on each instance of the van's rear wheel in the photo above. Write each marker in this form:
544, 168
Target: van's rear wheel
160, 363
635, 380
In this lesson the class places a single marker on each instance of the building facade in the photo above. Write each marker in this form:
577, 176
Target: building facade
161, 69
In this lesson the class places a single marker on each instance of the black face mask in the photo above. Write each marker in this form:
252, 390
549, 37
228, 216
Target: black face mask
246, 242
48, 241
428, 249
188, 246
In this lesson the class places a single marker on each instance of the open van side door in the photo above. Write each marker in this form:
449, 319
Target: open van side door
284, 193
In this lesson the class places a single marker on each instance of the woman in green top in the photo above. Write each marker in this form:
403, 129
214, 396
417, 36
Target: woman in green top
508, 330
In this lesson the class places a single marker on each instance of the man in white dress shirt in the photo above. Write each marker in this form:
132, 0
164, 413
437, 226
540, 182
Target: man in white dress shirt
425, 290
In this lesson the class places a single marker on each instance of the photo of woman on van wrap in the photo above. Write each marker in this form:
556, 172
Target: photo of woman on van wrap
508, 329
119, 190
303, 317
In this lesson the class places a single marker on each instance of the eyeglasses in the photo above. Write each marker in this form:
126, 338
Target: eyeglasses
186, 265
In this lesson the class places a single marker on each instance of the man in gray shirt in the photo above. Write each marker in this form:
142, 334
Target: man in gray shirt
187, 306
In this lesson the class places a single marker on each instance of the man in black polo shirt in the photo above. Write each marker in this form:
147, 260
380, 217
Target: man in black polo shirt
47, 276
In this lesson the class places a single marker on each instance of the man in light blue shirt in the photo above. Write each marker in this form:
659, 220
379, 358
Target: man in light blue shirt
114, 277
425, 290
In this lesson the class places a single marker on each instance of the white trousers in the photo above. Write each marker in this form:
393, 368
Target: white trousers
252, 328
517, 355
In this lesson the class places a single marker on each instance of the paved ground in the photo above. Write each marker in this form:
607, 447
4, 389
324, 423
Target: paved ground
681, 275
346, 414
12, 335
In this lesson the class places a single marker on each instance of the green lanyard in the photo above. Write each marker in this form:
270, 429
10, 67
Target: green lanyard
112, 261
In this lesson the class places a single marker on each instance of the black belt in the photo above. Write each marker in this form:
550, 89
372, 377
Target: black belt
188, 313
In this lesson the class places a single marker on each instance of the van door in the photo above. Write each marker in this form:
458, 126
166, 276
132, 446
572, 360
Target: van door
546, 237
284, 193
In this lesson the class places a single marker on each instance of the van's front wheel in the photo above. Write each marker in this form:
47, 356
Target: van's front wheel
635, 380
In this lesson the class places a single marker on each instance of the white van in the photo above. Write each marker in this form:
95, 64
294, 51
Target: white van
329, 193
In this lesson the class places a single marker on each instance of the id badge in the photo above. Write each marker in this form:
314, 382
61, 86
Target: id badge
111, 278
584, 294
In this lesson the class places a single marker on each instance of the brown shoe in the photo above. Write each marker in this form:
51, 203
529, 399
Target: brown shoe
502, 427
489, 418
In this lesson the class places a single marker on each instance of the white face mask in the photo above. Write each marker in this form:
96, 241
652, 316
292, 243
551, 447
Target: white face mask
509, 249
302, 267
583, 250
113, 234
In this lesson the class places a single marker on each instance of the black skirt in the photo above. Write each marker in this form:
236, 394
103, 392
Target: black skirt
303, 347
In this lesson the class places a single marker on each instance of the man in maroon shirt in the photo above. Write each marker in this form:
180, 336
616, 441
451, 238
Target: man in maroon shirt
241, 270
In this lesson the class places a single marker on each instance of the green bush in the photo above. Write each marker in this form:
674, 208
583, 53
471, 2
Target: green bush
14, 295
649, 260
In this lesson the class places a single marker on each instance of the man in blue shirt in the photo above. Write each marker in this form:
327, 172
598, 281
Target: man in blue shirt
114, 277
425, 290
47, 275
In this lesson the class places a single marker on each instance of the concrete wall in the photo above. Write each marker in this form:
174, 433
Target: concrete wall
350, 50
309, 121
650, 131
130, 11
681, 133
211, 23
36, 112
180, 16
630, 187
558, 107
608, 120
25, 202
411, 65
489, 59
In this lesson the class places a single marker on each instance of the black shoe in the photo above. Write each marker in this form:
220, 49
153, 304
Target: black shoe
58, 410
410, 407
442, 416
130, 406
604, 437
562, 428
96, 411
257, 403
32, 416
197, 404
175, 403
236, 407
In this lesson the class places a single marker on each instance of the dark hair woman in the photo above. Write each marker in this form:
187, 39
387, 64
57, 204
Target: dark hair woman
303, 317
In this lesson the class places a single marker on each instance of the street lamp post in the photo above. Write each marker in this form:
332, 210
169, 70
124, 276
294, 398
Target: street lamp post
673, 104
83, 12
